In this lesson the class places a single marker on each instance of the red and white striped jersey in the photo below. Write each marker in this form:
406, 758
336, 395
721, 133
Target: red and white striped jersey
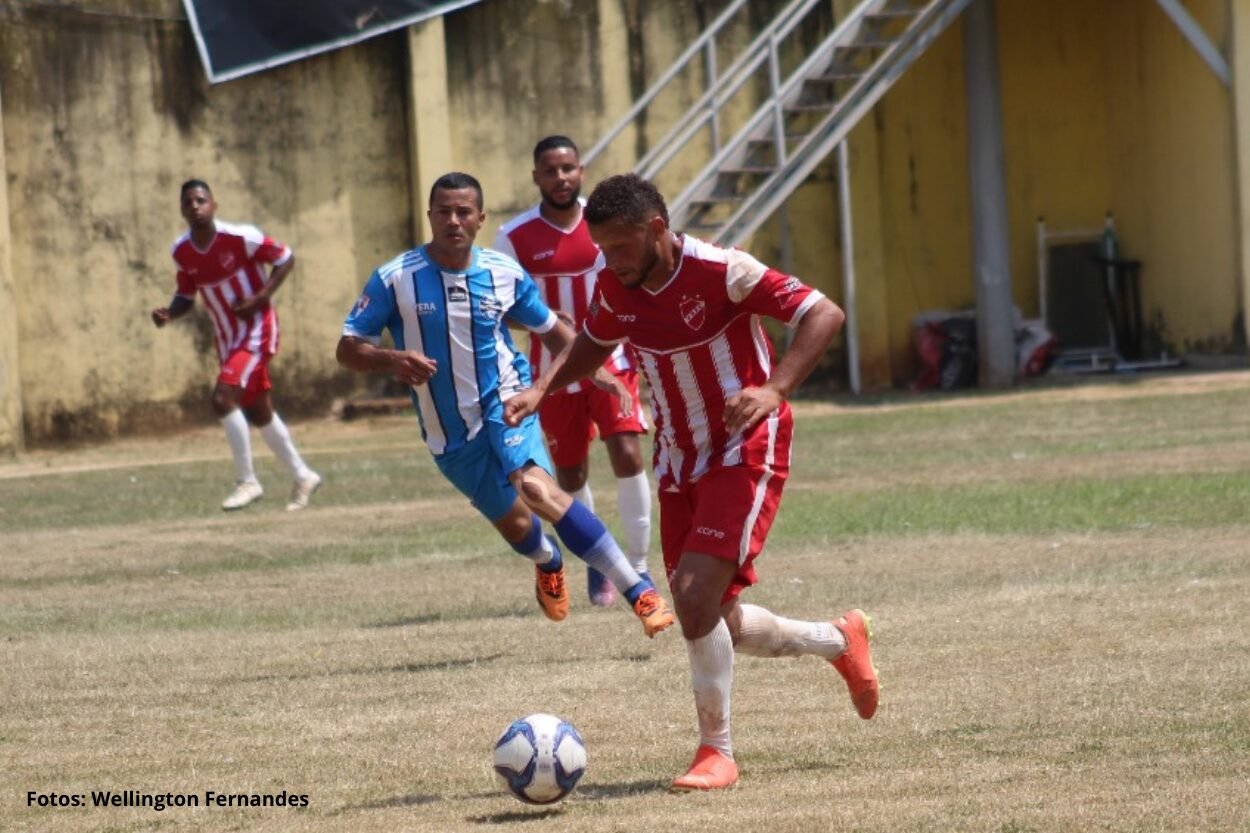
699, 341
565, 264
229, 270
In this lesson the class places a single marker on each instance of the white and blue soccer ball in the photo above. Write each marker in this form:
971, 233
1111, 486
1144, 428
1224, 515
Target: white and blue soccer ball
540, 758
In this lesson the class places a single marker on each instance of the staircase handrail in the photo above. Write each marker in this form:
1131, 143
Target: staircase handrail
655, 89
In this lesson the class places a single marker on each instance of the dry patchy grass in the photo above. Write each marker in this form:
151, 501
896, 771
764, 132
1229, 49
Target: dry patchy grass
366, 654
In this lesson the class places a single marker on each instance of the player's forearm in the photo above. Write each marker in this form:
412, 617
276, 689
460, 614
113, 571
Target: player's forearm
179, 306
579, 360
277, 276
361, 356
811, 339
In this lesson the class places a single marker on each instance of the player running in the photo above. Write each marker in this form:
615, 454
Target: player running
447, 305
226, 263
552, 244
722, 442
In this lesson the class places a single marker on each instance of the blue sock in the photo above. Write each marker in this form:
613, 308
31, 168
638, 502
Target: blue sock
587, 538
531, 546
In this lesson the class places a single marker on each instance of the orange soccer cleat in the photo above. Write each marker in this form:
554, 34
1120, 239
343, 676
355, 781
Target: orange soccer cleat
653, 611
855, 663
553, 596
711, 770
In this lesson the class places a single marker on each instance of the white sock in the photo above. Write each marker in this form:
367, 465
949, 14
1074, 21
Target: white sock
633, 498
279, 441
765, 634
711, 676
240, 445
583, 494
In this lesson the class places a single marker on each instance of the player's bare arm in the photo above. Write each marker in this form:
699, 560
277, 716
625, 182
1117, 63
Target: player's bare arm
556, 344
178, 307
250, 306
582, 358
811, 338
407, 366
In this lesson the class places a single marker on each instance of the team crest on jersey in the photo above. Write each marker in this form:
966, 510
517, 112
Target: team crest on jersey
227, 260
693, 311
491, 307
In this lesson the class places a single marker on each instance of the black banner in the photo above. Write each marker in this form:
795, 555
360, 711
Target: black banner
238, 37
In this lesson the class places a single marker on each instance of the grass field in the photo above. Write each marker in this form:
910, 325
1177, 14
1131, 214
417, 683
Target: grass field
1060, 580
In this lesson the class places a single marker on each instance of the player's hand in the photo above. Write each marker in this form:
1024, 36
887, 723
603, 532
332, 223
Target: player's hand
747, 407
607, 381
161, 316
520, 406
247, 307
412, 368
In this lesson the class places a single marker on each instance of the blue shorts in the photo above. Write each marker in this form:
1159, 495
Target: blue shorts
480, 469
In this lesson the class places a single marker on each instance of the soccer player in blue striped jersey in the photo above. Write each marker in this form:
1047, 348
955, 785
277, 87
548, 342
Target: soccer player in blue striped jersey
447, 306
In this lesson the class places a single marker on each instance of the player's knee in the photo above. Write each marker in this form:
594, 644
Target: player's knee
536, 491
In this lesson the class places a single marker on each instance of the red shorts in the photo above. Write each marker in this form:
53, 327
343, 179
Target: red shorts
725, 514
249, 371
570, 420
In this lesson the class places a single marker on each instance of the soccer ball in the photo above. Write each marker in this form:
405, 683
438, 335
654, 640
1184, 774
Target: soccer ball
540, 758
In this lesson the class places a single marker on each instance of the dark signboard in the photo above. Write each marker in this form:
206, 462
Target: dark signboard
237, 37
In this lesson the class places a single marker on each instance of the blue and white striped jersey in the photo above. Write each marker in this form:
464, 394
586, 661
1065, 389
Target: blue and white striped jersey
457, 319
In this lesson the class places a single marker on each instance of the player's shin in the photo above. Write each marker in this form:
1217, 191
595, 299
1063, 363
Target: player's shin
539, 548
711, 677
587, 538
633, 499
762, 633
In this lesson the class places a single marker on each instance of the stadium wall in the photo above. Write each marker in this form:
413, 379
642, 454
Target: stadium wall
105, 110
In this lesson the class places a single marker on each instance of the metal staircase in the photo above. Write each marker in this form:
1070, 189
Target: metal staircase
804, 113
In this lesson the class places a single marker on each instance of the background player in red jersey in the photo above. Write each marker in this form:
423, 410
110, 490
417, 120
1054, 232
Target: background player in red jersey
552, 243
722, 447
225, 263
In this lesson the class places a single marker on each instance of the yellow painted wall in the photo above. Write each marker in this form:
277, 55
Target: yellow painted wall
1105, 106
10, 379
1173, 160
104, 118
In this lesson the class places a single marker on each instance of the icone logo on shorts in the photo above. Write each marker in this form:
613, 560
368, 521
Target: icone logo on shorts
709, 532
513, 441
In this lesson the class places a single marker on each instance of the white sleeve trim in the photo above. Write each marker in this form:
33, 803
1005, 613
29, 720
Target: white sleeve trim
547, 325
354, 333
810, 301
601, 342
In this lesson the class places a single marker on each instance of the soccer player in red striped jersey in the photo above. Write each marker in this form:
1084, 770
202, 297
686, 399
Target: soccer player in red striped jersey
226, 263
723, 439
552, 244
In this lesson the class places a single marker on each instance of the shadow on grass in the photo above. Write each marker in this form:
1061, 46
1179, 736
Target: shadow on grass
467, 615
406, 668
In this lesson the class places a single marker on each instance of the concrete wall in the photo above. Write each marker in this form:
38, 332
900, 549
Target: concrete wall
1105, 107
103, 115
104, 118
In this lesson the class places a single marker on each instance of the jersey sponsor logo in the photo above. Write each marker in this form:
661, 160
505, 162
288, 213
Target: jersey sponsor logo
426, 308
457, 293
491, 307
626, 318
709, 532
693, 311
544, 255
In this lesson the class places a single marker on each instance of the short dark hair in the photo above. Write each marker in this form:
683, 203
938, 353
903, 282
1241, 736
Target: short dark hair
554, 143
194, 183
626, 197
456, 181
